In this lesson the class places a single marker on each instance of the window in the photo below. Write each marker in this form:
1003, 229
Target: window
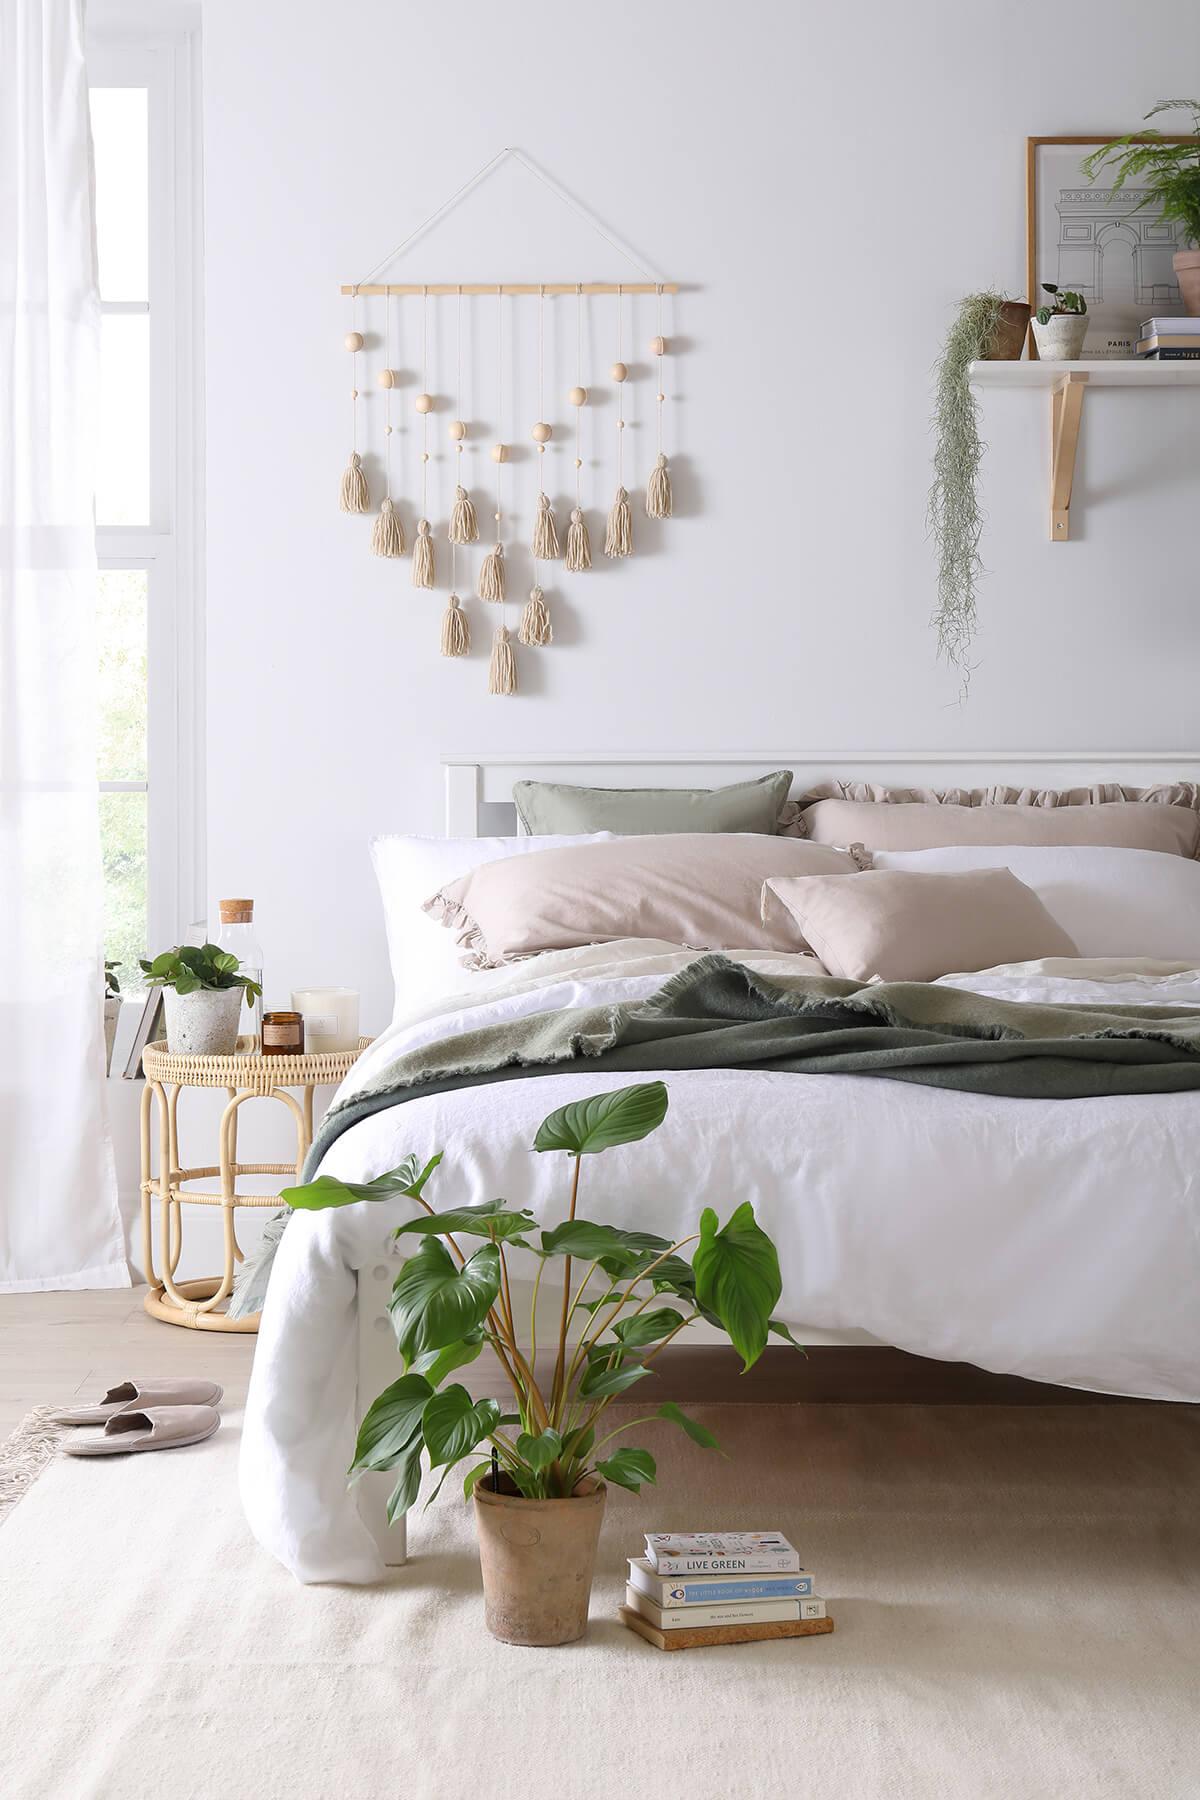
148, 509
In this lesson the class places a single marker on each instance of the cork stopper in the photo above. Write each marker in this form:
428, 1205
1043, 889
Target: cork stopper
236, 912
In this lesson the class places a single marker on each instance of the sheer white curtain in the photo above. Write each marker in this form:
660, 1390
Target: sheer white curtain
59, 1224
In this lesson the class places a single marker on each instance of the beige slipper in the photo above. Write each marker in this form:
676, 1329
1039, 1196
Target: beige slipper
150, 1428
179, 1390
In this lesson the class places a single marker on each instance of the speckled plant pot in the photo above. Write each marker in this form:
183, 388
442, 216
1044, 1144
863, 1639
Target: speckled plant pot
537, 1557
1060, 339
204, 1022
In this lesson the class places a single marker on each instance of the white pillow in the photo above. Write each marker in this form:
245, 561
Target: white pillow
1111, 902
424, 957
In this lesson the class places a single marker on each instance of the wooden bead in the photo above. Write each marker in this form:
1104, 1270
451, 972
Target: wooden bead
499, 452
386, 378
424, 403
541, 433
658, 346
354, 340
579, 462
577, 396
457, 430
660, 398
618, 371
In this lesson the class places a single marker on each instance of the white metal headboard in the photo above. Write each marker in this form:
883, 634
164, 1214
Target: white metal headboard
475, 782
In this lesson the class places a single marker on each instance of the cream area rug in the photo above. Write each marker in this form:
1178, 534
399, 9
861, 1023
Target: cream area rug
1017, 1596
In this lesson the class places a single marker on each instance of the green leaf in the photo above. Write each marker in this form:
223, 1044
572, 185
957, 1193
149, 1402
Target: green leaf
781, 1330
539, 1452
737, 1276
453, 1424
472, 1476
391, 1423
588, 1126
186, 983
409, 1485
328, 1190
435, 1365
599, 1381
577, 1443
592, 1242
629, 1468
435, 1303
699, 1434
488, 1220
647, 1328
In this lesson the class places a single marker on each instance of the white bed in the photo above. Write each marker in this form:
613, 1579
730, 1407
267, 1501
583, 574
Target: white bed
1058, 1240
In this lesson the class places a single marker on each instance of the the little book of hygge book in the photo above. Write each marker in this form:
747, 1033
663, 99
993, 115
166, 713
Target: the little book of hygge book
680, 1589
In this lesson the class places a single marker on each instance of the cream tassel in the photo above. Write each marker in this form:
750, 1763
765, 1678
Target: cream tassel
545, 532
464, 527
355, 497
387, 535
491, 575
618, 539
579, 544
658, 490
502, 670
422, 561
456, 629
536, 629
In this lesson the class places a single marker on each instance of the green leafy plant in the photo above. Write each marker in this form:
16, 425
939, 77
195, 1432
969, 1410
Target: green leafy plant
1169, 173
614, 1319
191, 966
112, 986
1066, 300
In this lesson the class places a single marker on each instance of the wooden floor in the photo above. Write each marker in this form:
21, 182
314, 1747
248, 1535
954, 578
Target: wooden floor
57, 1347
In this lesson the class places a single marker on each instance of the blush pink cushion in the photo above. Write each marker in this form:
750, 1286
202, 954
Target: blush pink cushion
920, 825
908, 927
699, 889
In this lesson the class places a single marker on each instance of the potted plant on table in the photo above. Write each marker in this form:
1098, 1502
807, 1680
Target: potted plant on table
202, 997
112, 1010
1167, 174
1060, 328
537, 1473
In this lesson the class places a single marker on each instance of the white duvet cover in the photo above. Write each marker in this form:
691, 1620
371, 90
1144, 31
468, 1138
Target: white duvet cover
1053, 1239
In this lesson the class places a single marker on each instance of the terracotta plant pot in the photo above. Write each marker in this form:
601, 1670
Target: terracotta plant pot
1060, 339
1008, 339
204, 1022
537, 1557
1187, 273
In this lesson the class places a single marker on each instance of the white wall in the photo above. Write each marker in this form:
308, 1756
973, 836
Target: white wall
826, 182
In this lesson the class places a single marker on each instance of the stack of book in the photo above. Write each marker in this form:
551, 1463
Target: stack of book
720, 1587
1170, 340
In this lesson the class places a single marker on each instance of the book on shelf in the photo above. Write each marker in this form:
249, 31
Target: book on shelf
1181, 323
685, 1589
721, 1552
148, 1029
1179, 341
747, 1612
1163, 354
694, 1638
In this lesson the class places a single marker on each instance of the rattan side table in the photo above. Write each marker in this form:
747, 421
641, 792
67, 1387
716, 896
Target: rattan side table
247, 1075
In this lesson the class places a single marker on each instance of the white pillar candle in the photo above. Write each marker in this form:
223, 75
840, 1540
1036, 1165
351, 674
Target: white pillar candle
330, 1018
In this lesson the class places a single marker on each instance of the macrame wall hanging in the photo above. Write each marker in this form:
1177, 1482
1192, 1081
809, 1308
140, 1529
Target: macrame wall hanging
373, 462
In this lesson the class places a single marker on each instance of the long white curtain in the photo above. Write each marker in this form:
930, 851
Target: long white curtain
59, 1223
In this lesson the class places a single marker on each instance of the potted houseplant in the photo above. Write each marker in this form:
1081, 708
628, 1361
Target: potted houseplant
1060, 328
112, 1011
986, 328
1168, 176
537, 1474
202, 997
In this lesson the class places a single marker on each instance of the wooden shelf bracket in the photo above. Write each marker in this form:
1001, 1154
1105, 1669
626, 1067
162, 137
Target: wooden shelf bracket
1066, 409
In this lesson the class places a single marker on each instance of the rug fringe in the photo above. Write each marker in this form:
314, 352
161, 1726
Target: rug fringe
25, 1453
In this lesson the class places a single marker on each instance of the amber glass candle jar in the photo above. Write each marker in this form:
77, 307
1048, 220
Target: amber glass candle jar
283, 1034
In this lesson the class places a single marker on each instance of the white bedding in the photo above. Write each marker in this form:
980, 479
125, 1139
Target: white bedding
1053, 1239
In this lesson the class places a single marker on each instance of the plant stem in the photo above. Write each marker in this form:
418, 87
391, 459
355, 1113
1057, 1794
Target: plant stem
586, 1342
561, 1358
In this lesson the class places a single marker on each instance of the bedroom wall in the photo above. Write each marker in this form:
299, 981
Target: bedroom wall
827, 182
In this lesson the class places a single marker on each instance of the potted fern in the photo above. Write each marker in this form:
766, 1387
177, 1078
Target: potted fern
1167, 173
202, 997
538, 1473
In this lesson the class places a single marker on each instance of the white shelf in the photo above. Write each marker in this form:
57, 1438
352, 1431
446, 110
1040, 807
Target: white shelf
1118, 372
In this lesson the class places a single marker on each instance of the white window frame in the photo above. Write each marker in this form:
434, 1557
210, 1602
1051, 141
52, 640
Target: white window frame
170, 546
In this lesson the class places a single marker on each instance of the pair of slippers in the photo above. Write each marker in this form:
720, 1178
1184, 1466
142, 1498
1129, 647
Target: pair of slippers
146, 1415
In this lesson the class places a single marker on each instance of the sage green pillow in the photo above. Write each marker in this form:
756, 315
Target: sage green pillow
553, 809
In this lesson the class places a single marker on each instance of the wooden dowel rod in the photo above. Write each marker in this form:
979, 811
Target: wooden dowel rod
511, 287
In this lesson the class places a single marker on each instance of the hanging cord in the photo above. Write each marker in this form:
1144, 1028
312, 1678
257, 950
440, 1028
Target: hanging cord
422, 558
354, 497
618, 536
387, 533
579, 544
658, 487
535, 620
502, 669
464, 526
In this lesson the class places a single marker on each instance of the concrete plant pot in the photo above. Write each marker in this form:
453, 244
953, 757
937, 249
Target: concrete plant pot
537, 1557
204, 1022
1187, 273
1060, 339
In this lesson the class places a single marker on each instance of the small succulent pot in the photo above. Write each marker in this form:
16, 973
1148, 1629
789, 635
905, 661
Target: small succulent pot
1060, 339
204, 1022
538, 1558
1008, 339
112, 1016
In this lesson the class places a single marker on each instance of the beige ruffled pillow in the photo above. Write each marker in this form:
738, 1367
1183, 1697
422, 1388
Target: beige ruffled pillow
903, 926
